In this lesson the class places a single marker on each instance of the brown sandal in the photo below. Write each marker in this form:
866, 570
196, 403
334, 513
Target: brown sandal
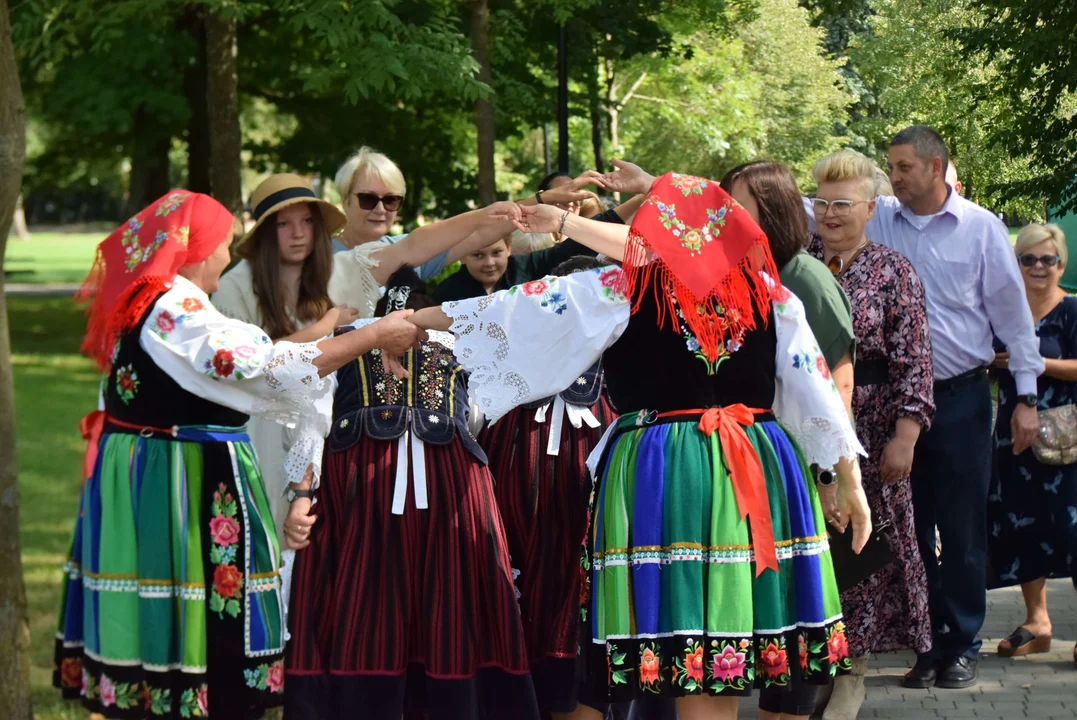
1022, 642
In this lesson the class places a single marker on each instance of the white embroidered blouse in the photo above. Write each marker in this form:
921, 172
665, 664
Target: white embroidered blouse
234, 364
531, 341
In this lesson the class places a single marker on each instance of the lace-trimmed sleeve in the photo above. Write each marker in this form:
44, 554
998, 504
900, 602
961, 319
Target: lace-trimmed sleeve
230, 362
351, 282
533, 340
806, 401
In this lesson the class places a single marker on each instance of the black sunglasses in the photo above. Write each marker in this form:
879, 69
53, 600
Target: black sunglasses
1029, 260
369, 201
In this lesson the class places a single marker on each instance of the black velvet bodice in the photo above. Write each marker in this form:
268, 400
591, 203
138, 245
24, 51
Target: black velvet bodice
139, 392
651, 368
432, 404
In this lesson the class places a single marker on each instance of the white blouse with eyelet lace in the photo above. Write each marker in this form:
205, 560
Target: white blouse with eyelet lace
531, 341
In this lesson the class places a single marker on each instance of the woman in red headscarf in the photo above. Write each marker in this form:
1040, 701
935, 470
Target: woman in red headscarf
709, 566
172, 602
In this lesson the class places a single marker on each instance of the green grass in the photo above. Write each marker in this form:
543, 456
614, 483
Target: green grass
54, 388
51, 257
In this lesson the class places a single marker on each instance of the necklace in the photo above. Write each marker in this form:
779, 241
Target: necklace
836, 264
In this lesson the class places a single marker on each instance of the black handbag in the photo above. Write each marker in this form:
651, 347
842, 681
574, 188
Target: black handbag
851, 569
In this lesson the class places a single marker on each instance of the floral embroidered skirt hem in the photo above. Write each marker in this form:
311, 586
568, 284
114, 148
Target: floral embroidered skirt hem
171, 604
406, 613
676, 608
544, 504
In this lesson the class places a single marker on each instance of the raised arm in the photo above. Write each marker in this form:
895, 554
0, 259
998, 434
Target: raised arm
438, 237
605, 238
533, 340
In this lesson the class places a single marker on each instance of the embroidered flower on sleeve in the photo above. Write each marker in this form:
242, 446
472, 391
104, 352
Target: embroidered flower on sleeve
191, 305
164, 323
535, 287
223, 363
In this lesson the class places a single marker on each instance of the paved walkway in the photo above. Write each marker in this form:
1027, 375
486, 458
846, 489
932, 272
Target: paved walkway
42, 290
1040, 686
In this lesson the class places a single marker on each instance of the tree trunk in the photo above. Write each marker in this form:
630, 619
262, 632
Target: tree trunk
21, 231
222, 101
149, 162
598, 117
194, 88
484, 106
14, 621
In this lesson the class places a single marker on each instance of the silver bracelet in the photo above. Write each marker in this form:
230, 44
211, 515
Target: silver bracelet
564, 216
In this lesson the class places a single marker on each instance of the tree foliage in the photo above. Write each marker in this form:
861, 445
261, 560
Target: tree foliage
925, 77
768, 91
1036, 77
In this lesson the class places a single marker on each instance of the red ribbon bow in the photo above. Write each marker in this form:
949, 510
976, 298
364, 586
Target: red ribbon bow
746, 474
91, 428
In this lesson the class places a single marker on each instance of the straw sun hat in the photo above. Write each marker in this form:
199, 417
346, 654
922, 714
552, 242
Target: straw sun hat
281, 190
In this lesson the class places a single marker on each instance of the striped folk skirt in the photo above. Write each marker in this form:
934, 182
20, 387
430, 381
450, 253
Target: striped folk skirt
544, 502
405, 613
676, 606
171, 605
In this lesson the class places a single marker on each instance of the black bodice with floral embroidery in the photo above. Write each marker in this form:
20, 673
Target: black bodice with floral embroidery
139, 392
655, 368
432, 403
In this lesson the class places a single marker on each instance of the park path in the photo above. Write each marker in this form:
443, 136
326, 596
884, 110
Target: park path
41, 289
1041, 686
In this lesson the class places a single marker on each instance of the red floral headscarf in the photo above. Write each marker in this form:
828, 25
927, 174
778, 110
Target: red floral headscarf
139, 260
697, 248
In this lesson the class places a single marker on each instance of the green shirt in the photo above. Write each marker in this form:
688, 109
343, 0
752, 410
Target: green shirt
829, 314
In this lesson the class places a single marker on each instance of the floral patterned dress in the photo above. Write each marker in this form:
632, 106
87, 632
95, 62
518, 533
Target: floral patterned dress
1032, 508
889, 610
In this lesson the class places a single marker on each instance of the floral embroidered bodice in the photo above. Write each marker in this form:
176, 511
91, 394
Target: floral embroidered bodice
432, 403
139, 392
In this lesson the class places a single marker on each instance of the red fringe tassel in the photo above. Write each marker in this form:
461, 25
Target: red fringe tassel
103, 328
726, 313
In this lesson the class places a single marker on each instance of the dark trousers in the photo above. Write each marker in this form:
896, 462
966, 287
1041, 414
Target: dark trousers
950, 477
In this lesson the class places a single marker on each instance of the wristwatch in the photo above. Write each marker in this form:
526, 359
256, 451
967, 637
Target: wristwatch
538, 198
826, 478
291, 493
1032, 400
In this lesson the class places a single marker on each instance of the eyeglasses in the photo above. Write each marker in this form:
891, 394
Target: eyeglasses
369, 201
1029, 260
840, 208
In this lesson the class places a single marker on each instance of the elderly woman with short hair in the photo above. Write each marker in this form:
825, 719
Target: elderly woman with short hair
892, 401
371, 189
1032, 508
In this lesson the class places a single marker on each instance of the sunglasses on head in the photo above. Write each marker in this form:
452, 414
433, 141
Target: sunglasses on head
369, 201
1028, 260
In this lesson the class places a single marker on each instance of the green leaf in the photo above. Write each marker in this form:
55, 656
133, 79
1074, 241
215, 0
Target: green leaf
216, 602
232, 607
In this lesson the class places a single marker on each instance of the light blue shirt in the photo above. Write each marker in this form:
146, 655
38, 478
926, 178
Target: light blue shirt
427, 271
972, 285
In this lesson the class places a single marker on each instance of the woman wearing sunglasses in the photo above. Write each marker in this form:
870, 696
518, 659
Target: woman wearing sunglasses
372, 189
1032, 508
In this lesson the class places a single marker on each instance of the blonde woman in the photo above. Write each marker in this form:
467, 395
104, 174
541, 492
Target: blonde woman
371, 189
1032, 508
893, 401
